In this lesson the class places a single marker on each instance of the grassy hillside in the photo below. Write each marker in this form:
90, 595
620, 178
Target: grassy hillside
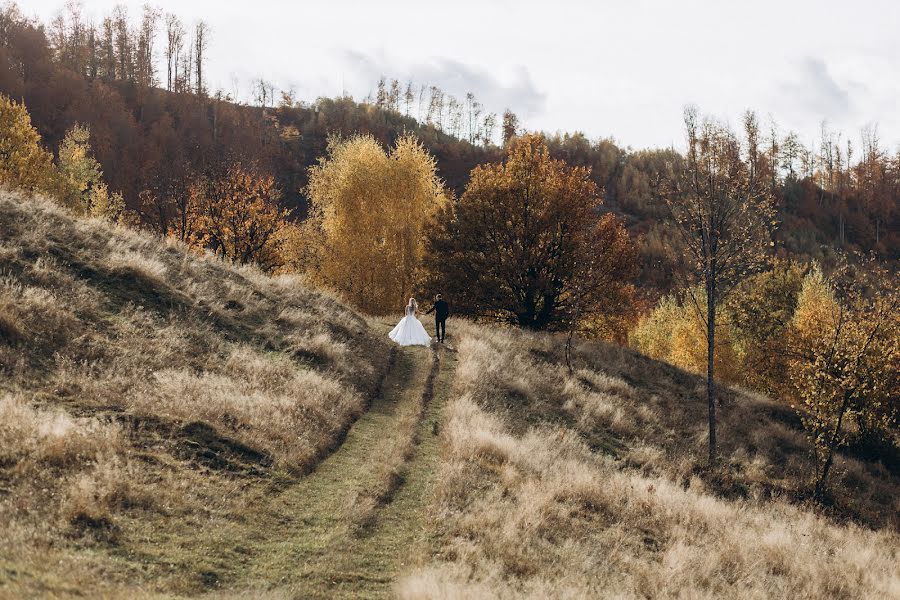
592, 485
148, 392
173, 426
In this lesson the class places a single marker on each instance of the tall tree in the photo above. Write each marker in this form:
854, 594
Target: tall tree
174, 48
145, 64
123, 44
201, 41
408, 97
381, 96
510, 126
724, 213
369, 208
526, 245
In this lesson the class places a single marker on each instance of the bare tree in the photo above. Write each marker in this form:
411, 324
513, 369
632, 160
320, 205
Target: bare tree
381, 94
510, 126
183, 84
174, 48
201, 41
409, 96
724, 215
826, 162
146, 71
263, 92
435, 105
422, 90
490, 122
108, 52
124, 52
791, 149
473, 107
394, 96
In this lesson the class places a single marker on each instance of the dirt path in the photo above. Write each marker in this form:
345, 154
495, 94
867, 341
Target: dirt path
322, 550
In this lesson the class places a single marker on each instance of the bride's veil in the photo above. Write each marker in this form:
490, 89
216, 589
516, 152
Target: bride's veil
412, 307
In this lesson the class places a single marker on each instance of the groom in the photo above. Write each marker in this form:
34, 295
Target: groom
441, 311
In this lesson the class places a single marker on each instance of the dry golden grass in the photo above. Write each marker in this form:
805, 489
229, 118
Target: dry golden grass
533, 501
143, 384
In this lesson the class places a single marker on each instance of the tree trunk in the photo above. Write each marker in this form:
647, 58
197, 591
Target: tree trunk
710, 365
832, 444
569, 349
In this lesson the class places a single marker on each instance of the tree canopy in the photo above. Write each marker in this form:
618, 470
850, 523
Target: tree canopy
369, 209
526, 241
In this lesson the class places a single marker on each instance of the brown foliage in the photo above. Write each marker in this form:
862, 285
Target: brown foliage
524, 243
237, 216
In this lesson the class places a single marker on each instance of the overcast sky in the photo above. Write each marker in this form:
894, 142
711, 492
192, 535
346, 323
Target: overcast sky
620, 68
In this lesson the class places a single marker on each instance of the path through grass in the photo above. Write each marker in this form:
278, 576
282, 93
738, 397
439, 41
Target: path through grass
319, 550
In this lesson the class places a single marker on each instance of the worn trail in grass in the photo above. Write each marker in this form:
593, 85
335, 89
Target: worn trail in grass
319, 550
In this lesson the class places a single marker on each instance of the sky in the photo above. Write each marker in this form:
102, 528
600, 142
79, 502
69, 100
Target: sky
621, 69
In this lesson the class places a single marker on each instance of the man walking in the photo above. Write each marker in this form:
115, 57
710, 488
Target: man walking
441, 311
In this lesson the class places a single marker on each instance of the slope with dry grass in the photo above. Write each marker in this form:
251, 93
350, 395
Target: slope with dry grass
592, 485
149, 392
174, 426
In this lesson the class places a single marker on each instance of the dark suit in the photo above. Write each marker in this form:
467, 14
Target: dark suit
441, 311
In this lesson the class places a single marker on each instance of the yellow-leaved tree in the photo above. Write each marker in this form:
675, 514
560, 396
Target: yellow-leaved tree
24, 164
761, 310
675, 332
83, 189
845, 359
369, 208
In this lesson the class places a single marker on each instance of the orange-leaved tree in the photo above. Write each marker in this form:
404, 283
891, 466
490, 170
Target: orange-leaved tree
526, 244
369, 208
236, 215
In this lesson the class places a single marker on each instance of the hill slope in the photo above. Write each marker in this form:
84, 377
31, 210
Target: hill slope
146, 389
592, 485
173, 426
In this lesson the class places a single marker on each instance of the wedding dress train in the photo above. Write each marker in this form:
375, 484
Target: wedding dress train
410, 331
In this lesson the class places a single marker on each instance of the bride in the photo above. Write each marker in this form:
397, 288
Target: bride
409, 331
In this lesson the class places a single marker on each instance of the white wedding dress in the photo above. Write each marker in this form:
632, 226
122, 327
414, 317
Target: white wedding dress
410, 331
